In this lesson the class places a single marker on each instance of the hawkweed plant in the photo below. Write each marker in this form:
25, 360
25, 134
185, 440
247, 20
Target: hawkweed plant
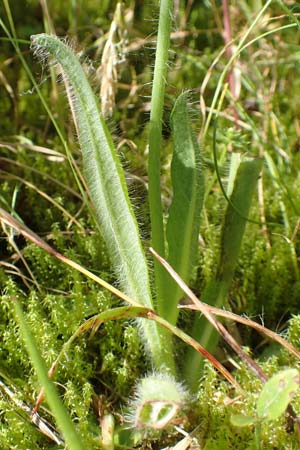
108, 192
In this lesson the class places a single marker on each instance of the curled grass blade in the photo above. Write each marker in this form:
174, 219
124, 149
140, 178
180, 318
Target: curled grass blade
92, 324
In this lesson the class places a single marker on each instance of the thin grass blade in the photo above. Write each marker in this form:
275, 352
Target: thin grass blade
60, 413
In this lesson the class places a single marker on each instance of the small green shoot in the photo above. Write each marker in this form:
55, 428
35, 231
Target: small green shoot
277, 394
272, 402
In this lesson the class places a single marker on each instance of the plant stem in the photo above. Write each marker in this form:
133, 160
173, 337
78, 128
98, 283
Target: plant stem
258, 436
155, 132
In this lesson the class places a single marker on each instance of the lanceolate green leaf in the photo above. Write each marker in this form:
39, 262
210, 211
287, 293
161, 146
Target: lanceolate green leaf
231, 239
184, 216
107, 187
235, 217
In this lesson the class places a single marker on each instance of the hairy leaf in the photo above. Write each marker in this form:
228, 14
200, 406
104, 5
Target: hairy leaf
184, 216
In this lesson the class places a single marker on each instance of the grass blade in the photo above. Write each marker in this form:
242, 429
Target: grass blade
60, 413
235, 222
92, 324
158, 391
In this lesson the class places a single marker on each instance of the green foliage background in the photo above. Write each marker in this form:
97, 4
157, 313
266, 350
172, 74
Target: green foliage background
99, 372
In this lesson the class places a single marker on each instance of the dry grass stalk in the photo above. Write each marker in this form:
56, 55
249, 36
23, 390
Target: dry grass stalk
112, 57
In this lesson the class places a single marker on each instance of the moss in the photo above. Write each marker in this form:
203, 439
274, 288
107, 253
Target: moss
107, 363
